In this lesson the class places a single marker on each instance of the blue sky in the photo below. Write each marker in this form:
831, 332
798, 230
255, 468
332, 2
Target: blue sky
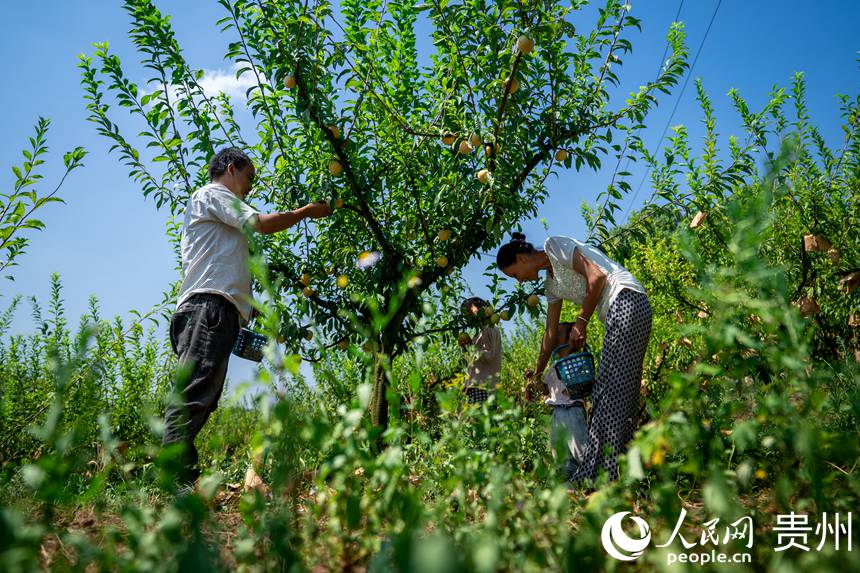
107, 241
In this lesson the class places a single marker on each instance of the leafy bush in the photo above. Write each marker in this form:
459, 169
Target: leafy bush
751, 403
106, 368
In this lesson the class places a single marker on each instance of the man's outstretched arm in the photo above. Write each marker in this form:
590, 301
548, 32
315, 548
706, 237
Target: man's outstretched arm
267, 223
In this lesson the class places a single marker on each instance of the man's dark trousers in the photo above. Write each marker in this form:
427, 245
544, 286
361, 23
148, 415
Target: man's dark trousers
202, 331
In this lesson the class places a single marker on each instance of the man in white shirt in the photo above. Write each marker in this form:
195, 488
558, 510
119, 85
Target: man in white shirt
215, 296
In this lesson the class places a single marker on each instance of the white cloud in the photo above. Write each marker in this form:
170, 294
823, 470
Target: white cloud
214, 82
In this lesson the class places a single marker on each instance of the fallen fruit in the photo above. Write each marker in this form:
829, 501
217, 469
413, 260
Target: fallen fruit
444, 234
465, 147
290, 82
254, 483
334, 167
533, 300
561, 155
525, 44
442, 261
342, 281
512, 85
483, 176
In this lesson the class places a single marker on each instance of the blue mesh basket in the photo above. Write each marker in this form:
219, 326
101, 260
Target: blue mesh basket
476, 395
576, 371
249, 345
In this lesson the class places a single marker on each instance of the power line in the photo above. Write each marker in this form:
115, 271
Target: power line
675, 107
657, 75
627, 139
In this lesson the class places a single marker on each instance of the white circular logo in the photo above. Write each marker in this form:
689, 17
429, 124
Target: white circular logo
618, 544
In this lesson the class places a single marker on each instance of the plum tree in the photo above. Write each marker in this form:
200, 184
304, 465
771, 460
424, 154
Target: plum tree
396, 165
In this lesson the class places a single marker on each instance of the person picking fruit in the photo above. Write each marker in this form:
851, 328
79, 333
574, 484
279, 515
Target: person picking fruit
485, 364
215, 295
585, 276
568, 431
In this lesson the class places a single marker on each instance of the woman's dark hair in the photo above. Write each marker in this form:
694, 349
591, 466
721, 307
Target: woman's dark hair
219, 162
508, 252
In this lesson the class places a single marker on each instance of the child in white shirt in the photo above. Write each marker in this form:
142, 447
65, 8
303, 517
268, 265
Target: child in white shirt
569, 425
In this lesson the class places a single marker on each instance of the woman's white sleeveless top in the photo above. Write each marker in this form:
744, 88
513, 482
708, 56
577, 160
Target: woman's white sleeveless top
567, 284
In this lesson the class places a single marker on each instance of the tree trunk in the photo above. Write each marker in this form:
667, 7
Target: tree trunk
379, 402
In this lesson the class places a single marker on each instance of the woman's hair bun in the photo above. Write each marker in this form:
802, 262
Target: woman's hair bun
508, 252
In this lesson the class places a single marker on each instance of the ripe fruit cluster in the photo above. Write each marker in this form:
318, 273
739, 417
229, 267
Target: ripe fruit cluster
463, 145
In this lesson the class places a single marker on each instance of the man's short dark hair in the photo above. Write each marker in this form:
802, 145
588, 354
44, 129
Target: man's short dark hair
219, 162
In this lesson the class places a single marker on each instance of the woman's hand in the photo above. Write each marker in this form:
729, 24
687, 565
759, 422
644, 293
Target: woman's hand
578, 335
